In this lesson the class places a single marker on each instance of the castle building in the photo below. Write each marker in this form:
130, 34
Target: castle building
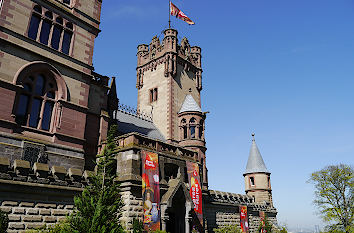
56, 110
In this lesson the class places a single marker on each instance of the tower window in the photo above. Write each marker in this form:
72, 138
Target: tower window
50, 30
201, 128
252, 181
36, 102
192, 127
183, 127
153, 95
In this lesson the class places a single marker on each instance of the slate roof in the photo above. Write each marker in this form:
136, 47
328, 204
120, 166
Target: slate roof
128, 123
190, 105
255, 161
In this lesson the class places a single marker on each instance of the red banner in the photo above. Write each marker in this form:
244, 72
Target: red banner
151, 191
243, 219
195, 189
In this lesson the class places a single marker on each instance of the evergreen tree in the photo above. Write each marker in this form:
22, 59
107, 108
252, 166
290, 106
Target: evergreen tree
97, 209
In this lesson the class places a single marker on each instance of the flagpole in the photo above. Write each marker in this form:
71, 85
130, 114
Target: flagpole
169, 14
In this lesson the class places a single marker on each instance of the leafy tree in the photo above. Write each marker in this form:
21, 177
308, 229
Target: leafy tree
334, 196
227, 229
4, 221
265, 226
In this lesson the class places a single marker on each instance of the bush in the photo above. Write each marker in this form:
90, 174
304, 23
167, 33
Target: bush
227, 229
4, 221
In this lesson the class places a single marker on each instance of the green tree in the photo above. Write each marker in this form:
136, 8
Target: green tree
334, 196
97, 209
227, 229
4, 221
265, 226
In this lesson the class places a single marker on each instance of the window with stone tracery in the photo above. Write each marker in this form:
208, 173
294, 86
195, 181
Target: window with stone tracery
50, 29
36, 101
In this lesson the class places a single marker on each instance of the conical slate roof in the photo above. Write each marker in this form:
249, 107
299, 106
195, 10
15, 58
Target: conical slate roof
255, 161
189, 105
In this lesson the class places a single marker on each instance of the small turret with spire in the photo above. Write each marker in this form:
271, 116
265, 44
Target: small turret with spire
257, 176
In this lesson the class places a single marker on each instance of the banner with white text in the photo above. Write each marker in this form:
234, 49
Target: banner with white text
243, 219
151, 191
195, 189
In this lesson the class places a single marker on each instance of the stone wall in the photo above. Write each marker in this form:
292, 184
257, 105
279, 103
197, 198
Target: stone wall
31, 215
223, 208
38, 195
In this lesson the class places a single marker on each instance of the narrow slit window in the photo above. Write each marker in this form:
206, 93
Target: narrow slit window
34, 25
66, 42
44, 37
252, 181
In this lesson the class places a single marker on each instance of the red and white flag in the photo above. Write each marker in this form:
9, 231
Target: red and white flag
174, 11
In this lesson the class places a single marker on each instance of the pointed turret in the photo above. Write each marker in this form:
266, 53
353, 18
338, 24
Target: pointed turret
257, 176
255, 161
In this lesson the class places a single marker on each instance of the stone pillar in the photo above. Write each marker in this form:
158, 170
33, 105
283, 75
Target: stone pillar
188, 218
164, 217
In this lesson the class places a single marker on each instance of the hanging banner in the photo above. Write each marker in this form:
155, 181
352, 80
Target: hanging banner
151, 191
243, 219
262, 216
195, 189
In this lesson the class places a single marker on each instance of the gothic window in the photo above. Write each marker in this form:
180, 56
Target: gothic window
184, 128
50, 30
36, 101
153, 95
201, 128
192, 127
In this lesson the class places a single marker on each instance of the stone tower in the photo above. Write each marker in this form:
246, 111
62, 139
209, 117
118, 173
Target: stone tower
257, 177
166, 73
168, 80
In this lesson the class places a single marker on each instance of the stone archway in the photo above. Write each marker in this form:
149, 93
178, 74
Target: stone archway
176, 205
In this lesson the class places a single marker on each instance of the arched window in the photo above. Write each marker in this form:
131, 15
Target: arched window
192, 127
57, 31
67, 38
201, 128
184, 129
51, 29
34, 23
36, 101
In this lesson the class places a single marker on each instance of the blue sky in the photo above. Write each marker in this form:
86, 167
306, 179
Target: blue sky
282, 69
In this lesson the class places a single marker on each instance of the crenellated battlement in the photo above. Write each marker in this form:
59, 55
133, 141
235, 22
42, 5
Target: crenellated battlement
170, 53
